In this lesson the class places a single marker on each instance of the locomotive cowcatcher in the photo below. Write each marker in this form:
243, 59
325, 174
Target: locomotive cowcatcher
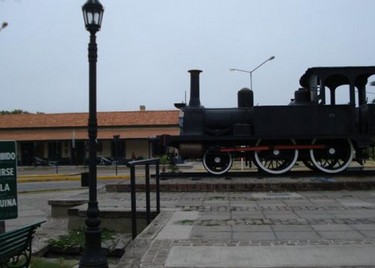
312, 128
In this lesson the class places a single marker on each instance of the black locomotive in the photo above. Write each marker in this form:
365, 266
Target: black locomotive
323, 135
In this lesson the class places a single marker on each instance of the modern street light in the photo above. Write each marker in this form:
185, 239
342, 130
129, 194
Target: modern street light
93, 255
251, 72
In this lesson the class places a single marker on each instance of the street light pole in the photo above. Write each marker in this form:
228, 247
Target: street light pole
251, 72
93, 255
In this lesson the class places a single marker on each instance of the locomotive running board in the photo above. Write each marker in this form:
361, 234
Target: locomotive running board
276, 147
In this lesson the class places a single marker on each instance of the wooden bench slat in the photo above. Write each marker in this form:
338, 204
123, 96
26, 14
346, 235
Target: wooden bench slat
16, 243
23, 229
13, 246
14, 237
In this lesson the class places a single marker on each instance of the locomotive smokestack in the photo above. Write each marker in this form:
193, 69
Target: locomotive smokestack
194, 88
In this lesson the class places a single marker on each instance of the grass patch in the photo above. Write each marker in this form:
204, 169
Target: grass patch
76, 239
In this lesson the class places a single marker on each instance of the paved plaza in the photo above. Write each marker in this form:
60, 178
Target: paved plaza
305, 229
235, 229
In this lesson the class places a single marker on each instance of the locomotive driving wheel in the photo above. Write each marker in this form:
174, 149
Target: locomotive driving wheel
276, 161
216, 162
335, 157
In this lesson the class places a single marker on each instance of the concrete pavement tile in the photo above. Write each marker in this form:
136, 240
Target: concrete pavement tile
183, 203
270, 203
276, 195
251, 236
343, 235
355, 203
313, 214
245, 209
271, 256
252, 228
332, 227
312, 236
280, 215
349, 214
214, 215
212, 195
200, 229
325, 203
243, 203
247, 215
219, 236
368, 234
175, 227
215, 203
298, 202
361, 226
292, 228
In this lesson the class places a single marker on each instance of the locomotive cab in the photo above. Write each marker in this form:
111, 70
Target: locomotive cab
321, 79
318, 79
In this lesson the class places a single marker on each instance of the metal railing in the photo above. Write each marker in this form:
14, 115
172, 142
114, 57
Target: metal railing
146, 163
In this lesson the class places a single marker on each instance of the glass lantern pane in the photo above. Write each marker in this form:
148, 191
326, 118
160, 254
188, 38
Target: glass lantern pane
90, 18
96, 18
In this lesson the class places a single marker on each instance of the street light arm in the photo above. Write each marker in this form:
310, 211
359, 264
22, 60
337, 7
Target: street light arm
240, 70
269, 59
251, 72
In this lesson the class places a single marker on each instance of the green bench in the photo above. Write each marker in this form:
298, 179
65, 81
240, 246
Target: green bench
15, 246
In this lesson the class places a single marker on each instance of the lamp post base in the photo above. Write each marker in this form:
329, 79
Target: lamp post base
93, 256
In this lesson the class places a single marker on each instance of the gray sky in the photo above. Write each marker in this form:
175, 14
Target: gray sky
146, 48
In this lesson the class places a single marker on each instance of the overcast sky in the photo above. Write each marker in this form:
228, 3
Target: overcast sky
146, 47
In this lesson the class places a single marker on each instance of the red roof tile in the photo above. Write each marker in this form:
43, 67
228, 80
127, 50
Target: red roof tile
105, 119
130, 125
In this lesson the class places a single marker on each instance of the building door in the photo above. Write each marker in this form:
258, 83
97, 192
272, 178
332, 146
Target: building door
27, 153
54, 150
78, 153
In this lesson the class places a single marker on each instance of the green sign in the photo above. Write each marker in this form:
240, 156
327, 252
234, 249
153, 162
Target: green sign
8, 180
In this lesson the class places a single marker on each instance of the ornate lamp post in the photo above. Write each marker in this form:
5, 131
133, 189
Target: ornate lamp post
93, 255
251, 72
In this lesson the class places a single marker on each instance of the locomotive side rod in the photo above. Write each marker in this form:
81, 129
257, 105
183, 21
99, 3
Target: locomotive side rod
276, 147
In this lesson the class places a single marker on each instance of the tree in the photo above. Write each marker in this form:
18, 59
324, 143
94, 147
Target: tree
16, 111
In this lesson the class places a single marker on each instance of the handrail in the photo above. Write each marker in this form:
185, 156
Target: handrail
146, 163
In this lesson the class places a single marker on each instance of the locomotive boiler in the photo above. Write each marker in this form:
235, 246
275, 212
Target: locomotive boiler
312, 128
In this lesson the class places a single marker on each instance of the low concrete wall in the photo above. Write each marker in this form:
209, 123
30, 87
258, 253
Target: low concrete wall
60, 207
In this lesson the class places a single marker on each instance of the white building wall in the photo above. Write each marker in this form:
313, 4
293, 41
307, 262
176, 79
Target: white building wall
107, 150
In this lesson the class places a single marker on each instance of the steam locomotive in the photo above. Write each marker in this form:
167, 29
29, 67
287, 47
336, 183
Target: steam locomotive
312, 128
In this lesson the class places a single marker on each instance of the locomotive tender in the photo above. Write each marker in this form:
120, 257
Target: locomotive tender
323, 135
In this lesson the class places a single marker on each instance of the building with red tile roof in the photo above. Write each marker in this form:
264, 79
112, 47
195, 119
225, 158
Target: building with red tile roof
63, 137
